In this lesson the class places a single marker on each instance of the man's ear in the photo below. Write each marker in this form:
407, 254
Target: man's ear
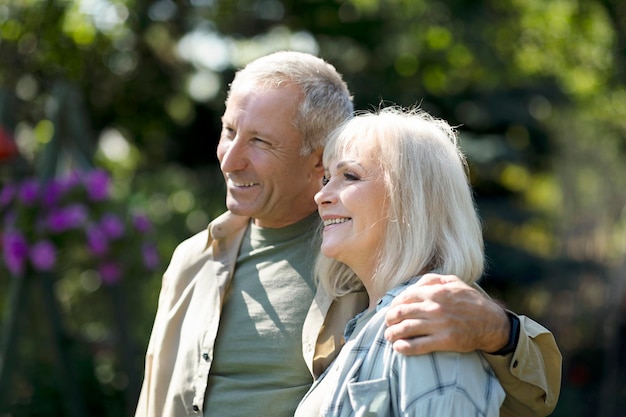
318, 167
319, 161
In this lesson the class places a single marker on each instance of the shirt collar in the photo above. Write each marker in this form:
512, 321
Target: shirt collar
385, 301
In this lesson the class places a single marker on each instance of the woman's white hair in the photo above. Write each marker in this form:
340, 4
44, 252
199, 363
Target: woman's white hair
433, 225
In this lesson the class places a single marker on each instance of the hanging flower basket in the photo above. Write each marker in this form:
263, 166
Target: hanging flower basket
73, 221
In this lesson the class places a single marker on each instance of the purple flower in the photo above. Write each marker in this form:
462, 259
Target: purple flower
96, 240
10, 218
52, 192
6, 194
112, 226
97, 183
71, 180
15, 251
150, 256
65, 218
29, 191
110, 272
142, 223
43, 255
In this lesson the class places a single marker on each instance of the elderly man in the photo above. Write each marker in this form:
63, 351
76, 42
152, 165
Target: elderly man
242, 327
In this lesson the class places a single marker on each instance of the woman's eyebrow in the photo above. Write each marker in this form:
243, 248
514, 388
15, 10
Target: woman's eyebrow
345, 162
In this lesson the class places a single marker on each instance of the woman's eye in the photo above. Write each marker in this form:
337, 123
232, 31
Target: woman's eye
325, 180
350, 177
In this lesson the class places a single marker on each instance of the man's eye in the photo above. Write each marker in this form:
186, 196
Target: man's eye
259, 140
227, 132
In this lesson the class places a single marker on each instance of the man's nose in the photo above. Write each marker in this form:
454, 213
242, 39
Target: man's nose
232, 156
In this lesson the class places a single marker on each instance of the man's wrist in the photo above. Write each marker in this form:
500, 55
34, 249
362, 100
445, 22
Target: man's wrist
511, 344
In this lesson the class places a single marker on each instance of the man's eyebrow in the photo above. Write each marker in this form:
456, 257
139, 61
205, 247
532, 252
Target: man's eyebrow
254, 132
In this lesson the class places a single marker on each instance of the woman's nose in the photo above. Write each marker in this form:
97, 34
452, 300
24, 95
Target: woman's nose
324, 196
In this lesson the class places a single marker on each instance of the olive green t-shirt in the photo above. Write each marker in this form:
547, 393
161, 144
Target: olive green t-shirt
258, 368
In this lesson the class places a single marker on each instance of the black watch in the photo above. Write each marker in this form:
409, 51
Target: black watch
513, 337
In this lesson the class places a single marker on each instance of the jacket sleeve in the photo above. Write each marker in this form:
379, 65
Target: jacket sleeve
531, 376
164, 340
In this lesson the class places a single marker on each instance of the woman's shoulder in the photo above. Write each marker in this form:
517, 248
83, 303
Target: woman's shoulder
440, 375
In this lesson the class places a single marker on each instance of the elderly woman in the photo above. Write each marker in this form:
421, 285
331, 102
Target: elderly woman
396, 205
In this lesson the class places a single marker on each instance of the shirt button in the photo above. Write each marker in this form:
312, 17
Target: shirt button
515, 363
196, 408
205, 356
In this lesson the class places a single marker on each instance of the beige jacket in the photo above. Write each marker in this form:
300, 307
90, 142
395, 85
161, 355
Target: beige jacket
180, 350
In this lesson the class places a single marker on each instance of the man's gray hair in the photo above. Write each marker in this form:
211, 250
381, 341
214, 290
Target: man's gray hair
326, 101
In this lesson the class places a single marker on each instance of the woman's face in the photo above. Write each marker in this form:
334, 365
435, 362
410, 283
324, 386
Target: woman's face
353, 205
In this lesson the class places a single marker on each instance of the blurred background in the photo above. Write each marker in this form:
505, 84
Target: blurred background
130, 94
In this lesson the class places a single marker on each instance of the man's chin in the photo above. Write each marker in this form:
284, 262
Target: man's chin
239, 210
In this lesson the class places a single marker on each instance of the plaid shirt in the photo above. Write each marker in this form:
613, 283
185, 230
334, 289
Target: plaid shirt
374, 380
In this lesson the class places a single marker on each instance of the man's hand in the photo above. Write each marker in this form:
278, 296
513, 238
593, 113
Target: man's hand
442, 313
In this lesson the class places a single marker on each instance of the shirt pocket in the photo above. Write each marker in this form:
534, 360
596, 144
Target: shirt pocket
369, 398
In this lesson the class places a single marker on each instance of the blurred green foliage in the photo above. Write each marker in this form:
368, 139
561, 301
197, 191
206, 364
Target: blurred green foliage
537, 88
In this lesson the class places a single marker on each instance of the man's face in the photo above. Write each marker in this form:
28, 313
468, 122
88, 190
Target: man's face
259, 153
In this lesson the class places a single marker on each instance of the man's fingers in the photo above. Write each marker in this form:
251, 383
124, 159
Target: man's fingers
408, 329
404, 311
418, 345
436, 279
408, 347
431, 279
424, 289
415, 294
408, 296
